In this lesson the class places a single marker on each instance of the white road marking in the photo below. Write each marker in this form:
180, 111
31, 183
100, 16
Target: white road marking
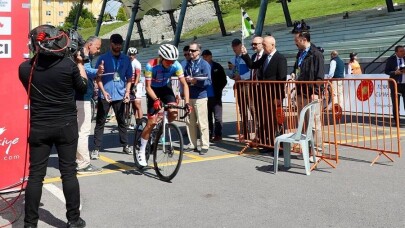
57, 192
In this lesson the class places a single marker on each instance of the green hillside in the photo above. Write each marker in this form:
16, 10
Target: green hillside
299, 9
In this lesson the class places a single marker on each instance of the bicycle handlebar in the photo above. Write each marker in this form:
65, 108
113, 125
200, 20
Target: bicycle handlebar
172, 106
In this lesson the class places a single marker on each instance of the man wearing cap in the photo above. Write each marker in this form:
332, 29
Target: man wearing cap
238, 70
218, 79
114, 88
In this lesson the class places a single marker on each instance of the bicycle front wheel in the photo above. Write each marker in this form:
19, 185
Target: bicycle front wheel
168, 152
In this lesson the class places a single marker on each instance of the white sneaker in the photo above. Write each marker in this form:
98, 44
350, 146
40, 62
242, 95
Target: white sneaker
141, 159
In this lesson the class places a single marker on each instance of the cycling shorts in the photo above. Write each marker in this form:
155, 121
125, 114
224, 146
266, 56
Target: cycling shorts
139, 89
165, 94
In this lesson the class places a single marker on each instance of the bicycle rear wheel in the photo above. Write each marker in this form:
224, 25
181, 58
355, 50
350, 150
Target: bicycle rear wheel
129, 115
168, 155
137, 141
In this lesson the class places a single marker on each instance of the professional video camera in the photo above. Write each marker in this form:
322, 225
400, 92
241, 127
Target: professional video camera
76, 43
48, 40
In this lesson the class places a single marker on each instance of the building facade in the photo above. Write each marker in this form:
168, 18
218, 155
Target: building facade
54, 12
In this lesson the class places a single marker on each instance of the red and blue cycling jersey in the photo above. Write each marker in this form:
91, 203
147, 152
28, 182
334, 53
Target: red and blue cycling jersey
160, 76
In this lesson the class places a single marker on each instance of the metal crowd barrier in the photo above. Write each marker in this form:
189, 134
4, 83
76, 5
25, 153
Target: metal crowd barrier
352, 112
365, 118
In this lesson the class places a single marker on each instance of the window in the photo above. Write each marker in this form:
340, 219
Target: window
60, 13
49, 23
48, 13
48, 2
61, 2
61, 23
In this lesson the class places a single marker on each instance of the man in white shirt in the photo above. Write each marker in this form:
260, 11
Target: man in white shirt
336, 72
137, 84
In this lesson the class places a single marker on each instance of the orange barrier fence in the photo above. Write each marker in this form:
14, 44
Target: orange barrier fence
352, 112
269, 108
365, 118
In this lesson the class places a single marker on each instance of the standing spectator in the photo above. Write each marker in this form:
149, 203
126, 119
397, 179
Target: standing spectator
309, 66
51, 80
336, 71
257, 46
186, 55
353, 66
395, 68
272, 67
218, 79
83, 103
136, 85
198, 77
238, 70
114, 87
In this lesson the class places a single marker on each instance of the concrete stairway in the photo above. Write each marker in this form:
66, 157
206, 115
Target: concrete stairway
368, 33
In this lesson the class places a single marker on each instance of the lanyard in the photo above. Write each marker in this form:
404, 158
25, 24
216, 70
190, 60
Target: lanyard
193, 67
116, 66
302, 57
237, 62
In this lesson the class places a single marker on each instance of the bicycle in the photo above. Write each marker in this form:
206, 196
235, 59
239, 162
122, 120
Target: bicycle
165, 143
129, 114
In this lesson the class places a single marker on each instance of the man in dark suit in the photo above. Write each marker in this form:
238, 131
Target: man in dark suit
218, 79
393, 68
270, 67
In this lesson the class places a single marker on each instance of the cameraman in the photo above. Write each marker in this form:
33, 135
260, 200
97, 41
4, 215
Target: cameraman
51, 79
83, 102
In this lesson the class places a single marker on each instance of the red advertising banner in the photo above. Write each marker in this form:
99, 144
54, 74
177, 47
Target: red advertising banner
14, 29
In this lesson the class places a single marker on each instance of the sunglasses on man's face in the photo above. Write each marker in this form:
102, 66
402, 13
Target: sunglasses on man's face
192, 50
255, 44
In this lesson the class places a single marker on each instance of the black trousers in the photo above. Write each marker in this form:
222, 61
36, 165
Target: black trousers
215, 110
401, 90
103, 107
41, 140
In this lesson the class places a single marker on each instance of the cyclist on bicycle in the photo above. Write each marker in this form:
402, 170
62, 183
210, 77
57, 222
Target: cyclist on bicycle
158, 73
137, 84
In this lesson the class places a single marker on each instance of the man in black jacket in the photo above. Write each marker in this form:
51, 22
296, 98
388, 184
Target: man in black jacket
53, 122
218, 78
272, 66
309, 66
395, 68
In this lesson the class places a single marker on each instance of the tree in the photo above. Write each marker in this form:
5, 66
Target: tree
121, 15
87, 23
85, 14
107, 17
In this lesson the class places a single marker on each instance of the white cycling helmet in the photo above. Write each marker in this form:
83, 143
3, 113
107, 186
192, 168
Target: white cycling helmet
132, 51
169, 52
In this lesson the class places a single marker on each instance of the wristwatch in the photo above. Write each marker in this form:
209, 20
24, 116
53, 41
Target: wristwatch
86, 59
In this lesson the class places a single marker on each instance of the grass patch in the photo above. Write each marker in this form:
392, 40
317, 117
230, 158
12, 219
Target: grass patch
87, 32
299, 9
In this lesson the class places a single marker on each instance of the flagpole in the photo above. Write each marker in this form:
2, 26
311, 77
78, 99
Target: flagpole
243, 40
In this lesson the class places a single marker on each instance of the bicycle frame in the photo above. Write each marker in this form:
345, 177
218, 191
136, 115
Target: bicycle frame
165, 121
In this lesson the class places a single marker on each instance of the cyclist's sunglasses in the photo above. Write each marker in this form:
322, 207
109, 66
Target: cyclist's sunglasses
169, 61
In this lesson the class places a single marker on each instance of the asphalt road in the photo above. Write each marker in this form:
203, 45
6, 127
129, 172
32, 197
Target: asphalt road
223, 189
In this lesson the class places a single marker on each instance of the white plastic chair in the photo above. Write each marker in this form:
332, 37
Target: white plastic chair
301, 137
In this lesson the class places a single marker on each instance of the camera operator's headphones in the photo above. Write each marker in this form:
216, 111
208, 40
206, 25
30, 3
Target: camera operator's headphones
48, 40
